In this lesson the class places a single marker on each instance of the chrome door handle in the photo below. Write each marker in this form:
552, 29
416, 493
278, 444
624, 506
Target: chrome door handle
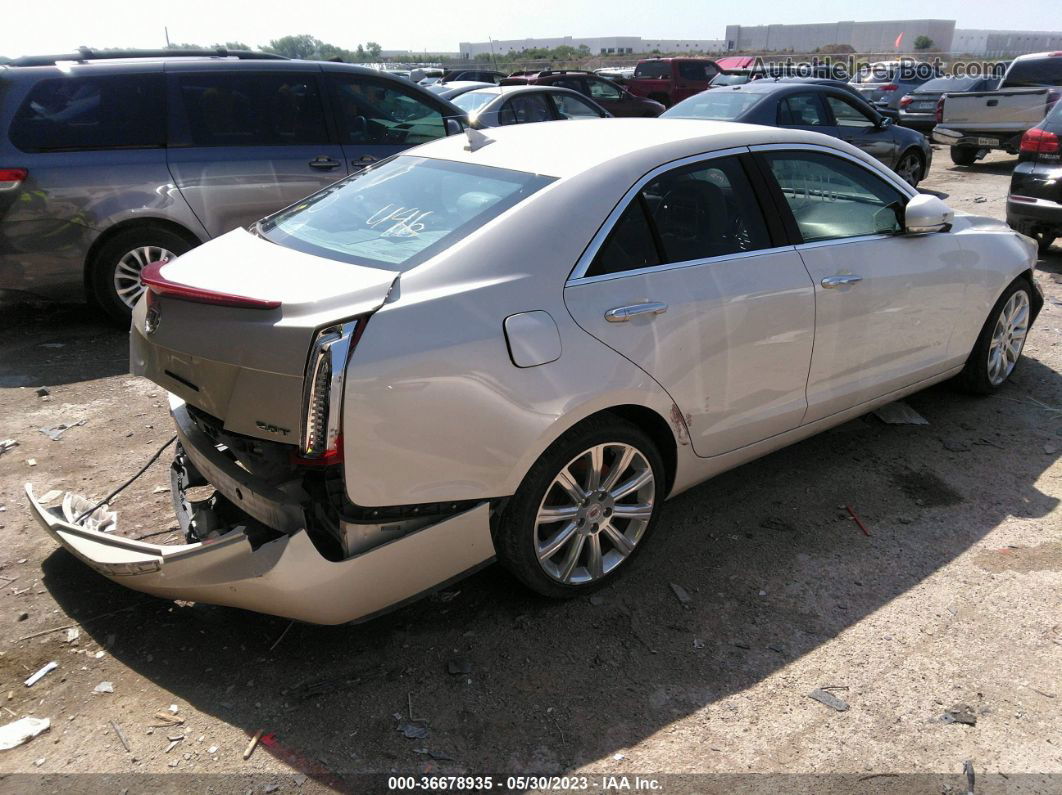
324, 162
831, 282
621, 314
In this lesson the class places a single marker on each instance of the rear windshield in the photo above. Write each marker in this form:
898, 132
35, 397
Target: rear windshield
400, 213
653, 69
718, 103
734, 79
943, 84
1032, 73
474, 100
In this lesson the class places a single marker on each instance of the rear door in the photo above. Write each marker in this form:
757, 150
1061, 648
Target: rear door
689, 280
244, 143
376, 118
527, 108
858, 127
885, 303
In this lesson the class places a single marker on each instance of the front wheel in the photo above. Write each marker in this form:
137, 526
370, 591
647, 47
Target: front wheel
584, 509
911, 169
1001, 341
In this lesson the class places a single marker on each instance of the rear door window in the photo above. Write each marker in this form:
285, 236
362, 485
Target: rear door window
111, 112
242, 109
526, 108
692, 213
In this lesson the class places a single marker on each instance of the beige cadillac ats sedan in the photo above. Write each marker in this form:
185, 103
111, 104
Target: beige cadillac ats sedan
516, 345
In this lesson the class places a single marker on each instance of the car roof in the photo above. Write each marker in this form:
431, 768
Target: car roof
628, 144
524, 88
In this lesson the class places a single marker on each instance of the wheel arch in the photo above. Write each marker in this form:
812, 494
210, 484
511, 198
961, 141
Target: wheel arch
140, 222
1037, 296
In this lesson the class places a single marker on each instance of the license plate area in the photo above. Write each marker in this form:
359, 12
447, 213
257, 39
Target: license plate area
987, 141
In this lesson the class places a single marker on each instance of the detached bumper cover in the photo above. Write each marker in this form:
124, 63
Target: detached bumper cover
286, 577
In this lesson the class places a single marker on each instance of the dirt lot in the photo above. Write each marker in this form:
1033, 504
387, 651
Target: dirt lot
953, 599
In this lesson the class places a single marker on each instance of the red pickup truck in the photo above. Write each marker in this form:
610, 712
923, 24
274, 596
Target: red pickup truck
671, 80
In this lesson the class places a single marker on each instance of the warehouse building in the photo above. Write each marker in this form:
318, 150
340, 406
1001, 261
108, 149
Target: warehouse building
862, 36
600, 45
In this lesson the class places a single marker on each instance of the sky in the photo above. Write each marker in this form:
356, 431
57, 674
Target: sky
53, 26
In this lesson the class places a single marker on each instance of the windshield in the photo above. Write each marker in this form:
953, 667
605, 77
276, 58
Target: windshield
400, 213
653, 69
719, 104
733, 79
473, 100
1035, 73
941, 84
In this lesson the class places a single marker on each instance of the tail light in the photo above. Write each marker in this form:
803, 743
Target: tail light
906, 100
940, 108
151, 277
11, 178
1037, 141
321, 442
890, 87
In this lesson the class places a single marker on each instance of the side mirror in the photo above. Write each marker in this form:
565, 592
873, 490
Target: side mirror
885, 121
454, 126
926, 213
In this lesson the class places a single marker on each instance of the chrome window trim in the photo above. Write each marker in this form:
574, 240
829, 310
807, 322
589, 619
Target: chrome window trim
878, 168
839, 240
583, 264
670, 266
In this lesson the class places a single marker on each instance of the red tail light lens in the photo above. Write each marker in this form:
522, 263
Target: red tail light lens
151, 277
1037, 141
890, 87
906, 100
11, 178
940, 110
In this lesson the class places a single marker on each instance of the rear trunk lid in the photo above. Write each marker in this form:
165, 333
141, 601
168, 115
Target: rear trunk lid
243, 360
1012, 110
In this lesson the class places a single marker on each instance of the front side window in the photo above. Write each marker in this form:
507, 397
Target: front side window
601, 89
571, 83
692, 70
845, 114
833, 198
570, 107
692, 213
400, 213
801, 110
71, 113
371, 112
525, 109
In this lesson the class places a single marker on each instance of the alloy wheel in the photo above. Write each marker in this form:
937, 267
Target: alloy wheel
1008, 337
127, 284
910, 169
594, 513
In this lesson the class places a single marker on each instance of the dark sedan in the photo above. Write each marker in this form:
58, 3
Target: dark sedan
819, 108
918, 109
1034, 204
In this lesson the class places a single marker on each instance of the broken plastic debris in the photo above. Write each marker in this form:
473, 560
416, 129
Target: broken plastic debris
51, 496
100, 519
682, 594
899, 413
19, 731
104, 687
960, 713
71, 634
829, 699
37, 676
7, 444
413, 731
57, 431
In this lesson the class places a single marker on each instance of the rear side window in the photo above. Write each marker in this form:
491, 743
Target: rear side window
689, 214
653, 69
111, 112
252, 109
371, 112
400, 213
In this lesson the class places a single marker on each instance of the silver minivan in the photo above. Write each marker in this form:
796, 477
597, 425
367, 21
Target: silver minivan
111, 161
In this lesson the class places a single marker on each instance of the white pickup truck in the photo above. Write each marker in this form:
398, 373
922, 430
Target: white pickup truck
973, 122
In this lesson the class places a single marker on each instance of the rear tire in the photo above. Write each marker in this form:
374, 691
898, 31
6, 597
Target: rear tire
557, 534
964, 155
115, 270
1000, 342
911, 167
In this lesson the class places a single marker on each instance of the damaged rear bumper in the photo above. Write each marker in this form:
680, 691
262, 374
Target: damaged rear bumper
287, 576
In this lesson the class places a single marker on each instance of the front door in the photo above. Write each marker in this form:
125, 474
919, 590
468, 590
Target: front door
858, 127
686, 282
885, 303
244, 144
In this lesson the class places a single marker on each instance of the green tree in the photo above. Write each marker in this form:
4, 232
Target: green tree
301, 46
923, 43
372, 48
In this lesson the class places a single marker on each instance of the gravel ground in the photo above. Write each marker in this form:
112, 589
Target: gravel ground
951, 603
